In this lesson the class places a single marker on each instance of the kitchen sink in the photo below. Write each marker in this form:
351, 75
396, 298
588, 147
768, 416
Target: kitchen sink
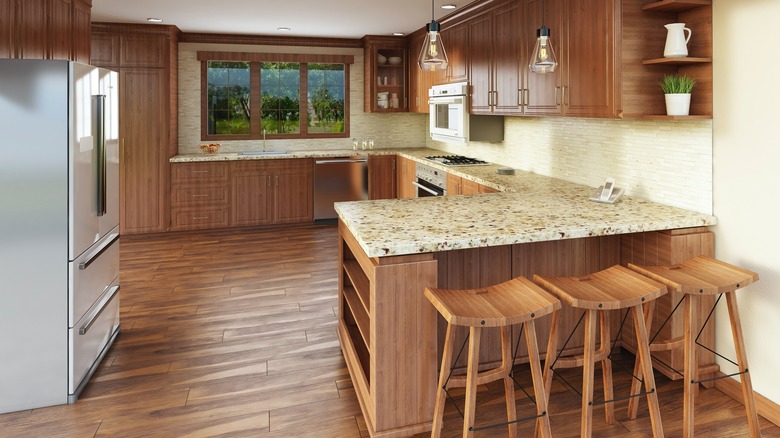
263, 153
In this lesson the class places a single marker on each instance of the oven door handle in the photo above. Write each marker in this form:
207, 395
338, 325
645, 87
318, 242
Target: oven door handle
420, 186
445, 100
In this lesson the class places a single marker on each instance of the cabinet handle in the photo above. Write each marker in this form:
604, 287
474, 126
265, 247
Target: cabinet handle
495, 98
199, 218
557, 96
122, 152
520, 95
527, 96
277, 180
269, 180
109, 297
200, 171
565, 96
200, 196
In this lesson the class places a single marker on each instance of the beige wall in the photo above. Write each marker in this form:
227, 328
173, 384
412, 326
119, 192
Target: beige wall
388, 130
746, 150
666, 162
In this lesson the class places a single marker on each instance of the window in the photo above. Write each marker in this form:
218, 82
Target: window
252, 95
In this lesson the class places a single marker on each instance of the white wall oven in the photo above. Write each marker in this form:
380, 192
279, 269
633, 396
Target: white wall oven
449, 112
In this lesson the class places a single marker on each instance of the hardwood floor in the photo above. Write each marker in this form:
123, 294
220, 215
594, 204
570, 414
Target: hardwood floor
233, 333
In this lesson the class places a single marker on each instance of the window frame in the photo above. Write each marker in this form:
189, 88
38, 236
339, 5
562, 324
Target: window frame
255, 60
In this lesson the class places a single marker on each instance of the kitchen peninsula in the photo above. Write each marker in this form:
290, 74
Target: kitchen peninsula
390, 250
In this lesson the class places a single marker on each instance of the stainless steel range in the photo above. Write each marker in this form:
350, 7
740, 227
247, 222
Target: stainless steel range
430, 181
456, 160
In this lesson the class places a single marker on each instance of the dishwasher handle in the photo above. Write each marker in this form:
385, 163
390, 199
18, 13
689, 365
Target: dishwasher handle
345, 160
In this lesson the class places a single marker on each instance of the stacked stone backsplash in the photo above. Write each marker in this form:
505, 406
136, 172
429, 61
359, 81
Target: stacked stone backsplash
669, 162
397, 130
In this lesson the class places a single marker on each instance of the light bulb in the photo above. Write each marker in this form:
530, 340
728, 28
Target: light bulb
432, 46
543, 49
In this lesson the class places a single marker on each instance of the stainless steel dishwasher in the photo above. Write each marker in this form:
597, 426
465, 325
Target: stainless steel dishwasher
338, 179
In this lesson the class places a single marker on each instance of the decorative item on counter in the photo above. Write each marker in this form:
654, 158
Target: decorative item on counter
210, 148
381, 59
393, 100
505, 171
354, 144
676, 41
677, 91
370, 144
364, 144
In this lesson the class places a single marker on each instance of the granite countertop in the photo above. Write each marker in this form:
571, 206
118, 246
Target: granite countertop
530, 208
533, 208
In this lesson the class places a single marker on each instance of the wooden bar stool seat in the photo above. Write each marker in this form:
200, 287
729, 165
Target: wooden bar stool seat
611, 289
694, 278
517, 301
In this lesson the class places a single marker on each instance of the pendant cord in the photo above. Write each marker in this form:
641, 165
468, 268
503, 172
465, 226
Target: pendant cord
432, 11
542, 13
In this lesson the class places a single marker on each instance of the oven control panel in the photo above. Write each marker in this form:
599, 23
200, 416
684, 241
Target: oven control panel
431, 175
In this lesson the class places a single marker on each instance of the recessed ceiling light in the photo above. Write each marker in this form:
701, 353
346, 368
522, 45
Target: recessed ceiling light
448, 6
398, 33
283, 29
154, 20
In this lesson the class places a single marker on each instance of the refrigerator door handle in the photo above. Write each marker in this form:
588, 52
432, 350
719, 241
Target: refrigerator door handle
109, 297
99, 250
99, 128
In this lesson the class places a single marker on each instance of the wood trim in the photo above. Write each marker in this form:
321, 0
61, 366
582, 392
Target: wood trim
277, 57
765, 407
268, 40
171, 31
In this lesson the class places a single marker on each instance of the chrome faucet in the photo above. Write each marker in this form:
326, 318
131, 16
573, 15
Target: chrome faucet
263, 140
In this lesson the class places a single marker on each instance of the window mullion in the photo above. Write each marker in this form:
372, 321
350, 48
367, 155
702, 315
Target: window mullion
254, 100
304, 99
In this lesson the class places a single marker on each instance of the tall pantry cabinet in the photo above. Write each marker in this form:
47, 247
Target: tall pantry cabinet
146, 57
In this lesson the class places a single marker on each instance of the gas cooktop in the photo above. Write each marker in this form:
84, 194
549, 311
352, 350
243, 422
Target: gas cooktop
456, 160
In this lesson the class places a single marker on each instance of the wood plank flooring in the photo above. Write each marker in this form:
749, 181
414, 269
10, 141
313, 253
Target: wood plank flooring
233, 334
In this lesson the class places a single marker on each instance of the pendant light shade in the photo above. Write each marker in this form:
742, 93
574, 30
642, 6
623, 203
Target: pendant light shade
543, 58
432, 55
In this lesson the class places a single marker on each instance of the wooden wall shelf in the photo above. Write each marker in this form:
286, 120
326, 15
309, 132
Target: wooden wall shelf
676, 61
676, 5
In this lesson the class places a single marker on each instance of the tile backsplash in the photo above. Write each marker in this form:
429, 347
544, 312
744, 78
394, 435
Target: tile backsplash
669, 162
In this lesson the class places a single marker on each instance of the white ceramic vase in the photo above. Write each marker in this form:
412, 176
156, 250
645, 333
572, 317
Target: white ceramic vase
678, 104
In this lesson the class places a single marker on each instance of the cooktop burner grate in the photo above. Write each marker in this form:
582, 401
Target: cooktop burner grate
456, 160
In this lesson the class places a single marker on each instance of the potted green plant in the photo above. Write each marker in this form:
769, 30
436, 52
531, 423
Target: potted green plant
677, 89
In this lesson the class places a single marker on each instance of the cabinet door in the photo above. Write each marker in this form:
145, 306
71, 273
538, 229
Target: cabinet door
143, 164
417, 102
508, 59
143, 51
453, 185
252, 198
543, 90
381, 177
82, 17
7, 43
468, 187
456, 41
31, 29
405, 172
588, 59
293, 197
59, 33
104, 50
481, 66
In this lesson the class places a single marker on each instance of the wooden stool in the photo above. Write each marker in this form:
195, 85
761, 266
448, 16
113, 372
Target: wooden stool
517, 301
611, 289
700, 276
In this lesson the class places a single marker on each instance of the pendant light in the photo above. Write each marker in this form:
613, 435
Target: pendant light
432, 56
543, 58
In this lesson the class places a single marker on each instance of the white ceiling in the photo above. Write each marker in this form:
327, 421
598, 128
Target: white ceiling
316, 18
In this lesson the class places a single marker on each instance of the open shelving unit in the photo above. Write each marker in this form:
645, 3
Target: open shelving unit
697, 14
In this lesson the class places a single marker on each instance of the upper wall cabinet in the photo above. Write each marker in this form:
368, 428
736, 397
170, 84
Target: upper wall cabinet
45, 29
455, 39
386, 62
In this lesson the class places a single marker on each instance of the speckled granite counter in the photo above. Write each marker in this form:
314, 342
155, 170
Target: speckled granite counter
533, 208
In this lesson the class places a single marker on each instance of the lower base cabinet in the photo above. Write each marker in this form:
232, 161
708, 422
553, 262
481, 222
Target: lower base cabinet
241, 193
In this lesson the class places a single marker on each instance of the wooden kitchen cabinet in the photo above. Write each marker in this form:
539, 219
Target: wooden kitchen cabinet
268, 192
146, 58
199, 195
406, 170
381, 176
384, 77
457, 185
496, 55
45, 29
455, 39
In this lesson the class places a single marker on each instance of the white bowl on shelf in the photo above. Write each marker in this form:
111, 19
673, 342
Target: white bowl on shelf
394, 60
381, 59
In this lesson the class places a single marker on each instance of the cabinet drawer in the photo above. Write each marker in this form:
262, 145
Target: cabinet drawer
199, 172
276, 165
199, 196
90, 275
202, 218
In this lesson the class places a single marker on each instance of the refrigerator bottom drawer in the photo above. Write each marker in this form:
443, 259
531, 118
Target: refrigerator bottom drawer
90, 336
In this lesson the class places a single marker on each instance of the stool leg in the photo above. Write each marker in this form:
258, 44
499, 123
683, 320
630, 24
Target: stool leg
643, 350
586, 426
739, 346
547, 375
509, 384
446, 364
691, 365
543, 423
636, 383
471, 381
606, 368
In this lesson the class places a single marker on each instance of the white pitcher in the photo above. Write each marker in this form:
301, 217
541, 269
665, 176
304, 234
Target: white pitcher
676, 41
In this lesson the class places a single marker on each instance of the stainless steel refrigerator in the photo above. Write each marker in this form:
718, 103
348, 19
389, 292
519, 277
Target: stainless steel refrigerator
59, 228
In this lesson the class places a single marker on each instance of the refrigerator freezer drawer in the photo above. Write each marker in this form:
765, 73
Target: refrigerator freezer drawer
88, 339
91, 274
